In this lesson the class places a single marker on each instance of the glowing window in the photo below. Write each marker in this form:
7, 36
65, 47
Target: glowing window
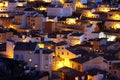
46, 66
36, 65
76, 78
30, 60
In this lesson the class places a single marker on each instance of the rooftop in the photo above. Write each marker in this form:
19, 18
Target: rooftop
95, 71
25, 46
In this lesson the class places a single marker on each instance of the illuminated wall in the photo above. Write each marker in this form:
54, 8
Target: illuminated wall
4, 15
71, 21
112, 25
46, 0
111, 37
114, 16
62, 57
42, 8
89, 14
10, 49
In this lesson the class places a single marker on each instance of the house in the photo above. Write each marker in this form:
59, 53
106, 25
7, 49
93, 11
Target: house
95, 74
87, 62
35, 21
19, 9
3, 49
98, 43
113, 24
89, 32
58, 10
4, 35
47, 44
40, 59
39, 75
49, 27
62, 55
20, 19
51, 19
114, 14
116, 70
75, 38
71, 74
112, 34
10, 44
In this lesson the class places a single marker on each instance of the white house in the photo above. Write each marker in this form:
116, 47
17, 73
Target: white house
75, 38
96, 74
40, 59
59, 11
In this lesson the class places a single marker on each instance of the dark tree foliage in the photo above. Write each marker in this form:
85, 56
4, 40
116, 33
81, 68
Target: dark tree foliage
12, 70
13, 30
101, 25
107, 1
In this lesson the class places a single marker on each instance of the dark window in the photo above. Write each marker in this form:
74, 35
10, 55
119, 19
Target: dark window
62, 53
78, 67
58, 47
109, 67
67, 53
16, 57
109, 63
114, 72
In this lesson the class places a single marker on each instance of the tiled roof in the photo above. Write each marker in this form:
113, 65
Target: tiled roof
65, 32
25, 46
68, 71
95, 71
47, 51
49, 42
61, 43
73, 51
84, 58
29, 9
76, 34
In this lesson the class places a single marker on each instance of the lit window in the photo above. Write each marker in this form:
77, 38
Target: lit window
76, 78
46, 66
83, 78
30, 60
30, 52
36, 65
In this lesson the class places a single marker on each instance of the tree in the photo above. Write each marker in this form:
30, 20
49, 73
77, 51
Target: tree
13, 30
101, 25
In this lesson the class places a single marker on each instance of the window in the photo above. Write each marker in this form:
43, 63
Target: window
36, 65
30, 60
109, 67
114, 72
76, 78
78, 67
67, 53
58, 47
46, 66
83, 78
109, 63
62, 53
30, 52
